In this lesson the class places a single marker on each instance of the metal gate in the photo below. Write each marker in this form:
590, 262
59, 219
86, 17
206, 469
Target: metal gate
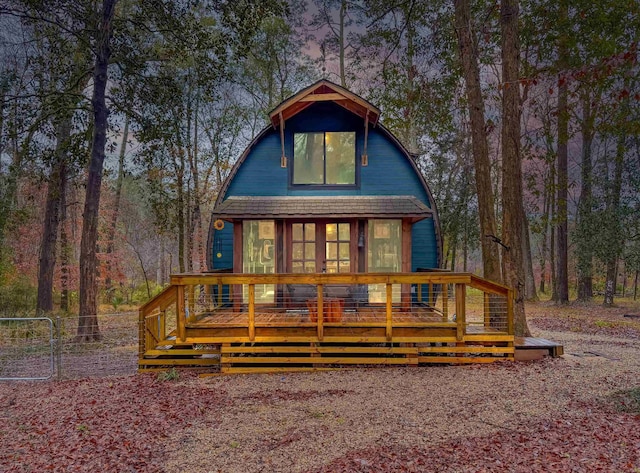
27, 348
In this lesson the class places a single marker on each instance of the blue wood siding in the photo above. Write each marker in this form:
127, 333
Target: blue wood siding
389, 173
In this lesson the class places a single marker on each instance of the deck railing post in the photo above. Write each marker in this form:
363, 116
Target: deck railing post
252, 312
320, 312
461, 294
389, 311
510, 299
181, 315
220, 289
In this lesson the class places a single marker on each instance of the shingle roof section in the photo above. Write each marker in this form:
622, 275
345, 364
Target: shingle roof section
334, 206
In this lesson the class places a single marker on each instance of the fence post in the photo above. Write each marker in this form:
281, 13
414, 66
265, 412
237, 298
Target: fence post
461, 294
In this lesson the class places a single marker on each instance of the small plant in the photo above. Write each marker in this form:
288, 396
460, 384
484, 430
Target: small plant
234, 444
171, 375
627, 400
82, 428
603, 324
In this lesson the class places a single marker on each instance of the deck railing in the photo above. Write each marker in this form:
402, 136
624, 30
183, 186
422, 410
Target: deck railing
463, 301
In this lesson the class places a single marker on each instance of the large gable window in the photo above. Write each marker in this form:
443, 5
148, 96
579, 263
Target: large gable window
327, 158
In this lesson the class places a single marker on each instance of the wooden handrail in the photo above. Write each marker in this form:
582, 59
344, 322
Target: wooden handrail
161, 301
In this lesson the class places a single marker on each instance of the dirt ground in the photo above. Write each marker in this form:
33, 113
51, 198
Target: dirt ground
580, 412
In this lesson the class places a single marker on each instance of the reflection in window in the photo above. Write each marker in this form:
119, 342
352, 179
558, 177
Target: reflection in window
258, 255
384, 255
303, 251
324, 158
338, 248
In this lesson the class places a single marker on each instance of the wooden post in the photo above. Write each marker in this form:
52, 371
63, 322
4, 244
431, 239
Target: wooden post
191, 291
181, 316
389, 311
419, 296
320, 312
220, 289
461, 294
162, 328
487, 309
252, 312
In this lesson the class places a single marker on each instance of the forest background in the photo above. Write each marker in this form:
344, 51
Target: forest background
119, 121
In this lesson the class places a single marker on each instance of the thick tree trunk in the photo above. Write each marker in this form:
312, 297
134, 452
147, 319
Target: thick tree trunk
482, 164
562, 272
111, 232
512, 198
584, 233
88, 329
49, 240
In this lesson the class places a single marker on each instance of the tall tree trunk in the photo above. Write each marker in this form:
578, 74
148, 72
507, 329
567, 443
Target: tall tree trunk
512, 196
341, 46
584, 232
88, 329
482, 164
562, 272
530, 280
111, 231
615, 240
56, 187
65, 250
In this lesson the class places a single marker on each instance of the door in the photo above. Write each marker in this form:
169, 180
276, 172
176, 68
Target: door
321, 247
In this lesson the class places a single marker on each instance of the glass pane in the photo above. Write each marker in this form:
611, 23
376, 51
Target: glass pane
310, 231
345, 266
343, 231
310, 267
258, 255
332, 266
296, 267
341, 157
385, 254
308, 158
332, 232
297, 251
296, 229
344, 251
332, 251
310, 251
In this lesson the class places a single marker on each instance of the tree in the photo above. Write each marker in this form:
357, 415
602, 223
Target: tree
512, 196
482, 164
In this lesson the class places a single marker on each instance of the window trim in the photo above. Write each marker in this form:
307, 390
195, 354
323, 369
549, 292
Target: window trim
355, 185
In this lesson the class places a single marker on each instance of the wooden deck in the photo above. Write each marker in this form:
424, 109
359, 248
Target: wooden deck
530, 348
213, 322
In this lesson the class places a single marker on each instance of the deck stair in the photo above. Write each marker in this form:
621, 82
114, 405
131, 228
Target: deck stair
172, 353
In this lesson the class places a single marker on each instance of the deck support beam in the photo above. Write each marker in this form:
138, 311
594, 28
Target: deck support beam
389, 327
320, 312
181, 314
252, 312
461, 294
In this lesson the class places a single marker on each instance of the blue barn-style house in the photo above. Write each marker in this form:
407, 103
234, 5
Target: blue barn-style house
324, 248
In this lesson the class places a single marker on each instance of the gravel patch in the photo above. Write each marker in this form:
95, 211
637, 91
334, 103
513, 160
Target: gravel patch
300, 422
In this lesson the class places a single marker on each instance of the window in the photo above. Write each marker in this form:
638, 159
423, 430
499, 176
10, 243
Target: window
385, 254
258, 255
338, 248
303, 252
324, 158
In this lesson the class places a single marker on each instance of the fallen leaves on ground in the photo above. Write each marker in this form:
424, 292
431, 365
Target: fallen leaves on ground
98, 425
597, 441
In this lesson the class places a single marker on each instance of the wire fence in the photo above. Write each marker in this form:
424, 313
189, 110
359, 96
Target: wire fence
34, 348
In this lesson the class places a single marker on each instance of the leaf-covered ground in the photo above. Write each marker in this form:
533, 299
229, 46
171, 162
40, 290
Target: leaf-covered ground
579, 413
